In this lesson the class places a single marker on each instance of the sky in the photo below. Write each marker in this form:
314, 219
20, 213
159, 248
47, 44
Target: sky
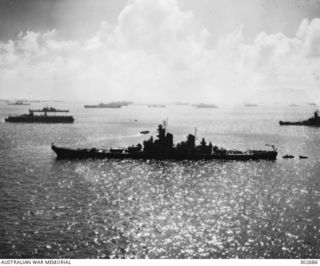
215, 51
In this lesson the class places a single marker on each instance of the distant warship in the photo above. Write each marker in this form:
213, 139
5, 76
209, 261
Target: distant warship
163, 148
43, 118
204, 105
18, 103
109, 105
156, 106
312, 121
104, 105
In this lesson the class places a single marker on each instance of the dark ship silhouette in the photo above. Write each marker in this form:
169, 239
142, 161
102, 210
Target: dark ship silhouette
104, 105
109, 105
163, 148
43, 118
312, 121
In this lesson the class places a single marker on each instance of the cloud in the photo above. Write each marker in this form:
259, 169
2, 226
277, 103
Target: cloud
155, 54
310, 34
289, 62
145, 24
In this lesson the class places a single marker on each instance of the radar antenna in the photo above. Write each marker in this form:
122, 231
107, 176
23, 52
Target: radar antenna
272, 146
165, 123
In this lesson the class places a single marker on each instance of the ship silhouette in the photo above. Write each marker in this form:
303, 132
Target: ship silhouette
312, 121
163, 148
109, 105
42, 118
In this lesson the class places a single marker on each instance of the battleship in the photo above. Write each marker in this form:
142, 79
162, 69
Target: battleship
109, 105
42, 118
312, 121
163, 148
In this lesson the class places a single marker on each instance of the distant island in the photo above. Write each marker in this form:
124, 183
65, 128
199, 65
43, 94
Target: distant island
250, 105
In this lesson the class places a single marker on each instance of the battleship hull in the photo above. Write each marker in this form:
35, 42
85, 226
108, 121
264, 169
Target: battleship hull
39, 119
300, 123
311, 122
67, 153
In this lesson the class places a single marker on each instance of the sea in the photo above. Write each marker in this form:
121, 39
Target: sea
160, 209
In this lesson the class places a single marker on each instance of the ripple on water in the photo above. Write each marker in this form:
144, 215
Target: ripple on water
149, 209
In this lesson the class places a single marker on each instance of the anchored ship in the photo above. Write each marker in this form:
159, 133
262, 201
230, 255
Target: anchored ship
18, 103
104, 105
312, 121
109, 105
163, 148
204, 105
42, 118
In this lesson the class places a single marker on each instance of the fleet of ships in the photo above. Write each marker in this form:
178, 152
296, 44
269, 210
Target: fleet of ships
162, 148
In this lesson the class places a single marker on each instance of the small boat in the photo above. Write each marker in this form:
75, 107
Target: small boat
312, 121
287, 156
144, 132
303, 157
163, 148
